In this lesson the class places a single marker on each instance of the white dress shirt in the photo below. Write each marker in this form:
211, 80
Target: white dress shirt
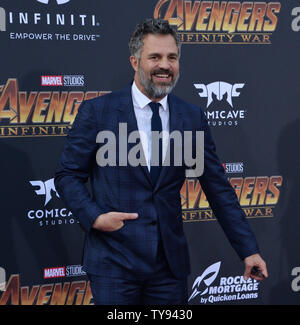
143, 114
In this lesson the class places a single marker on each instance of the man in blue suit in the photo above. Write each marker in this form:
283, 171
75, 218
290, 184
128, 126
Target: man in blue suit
135, 248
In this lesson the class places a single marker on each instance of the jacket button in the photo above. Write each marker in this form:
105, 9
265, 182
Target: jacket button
153, 222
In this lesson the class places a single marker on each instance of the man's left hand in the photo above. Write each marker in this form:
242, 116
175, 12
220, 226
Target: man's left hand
255, 260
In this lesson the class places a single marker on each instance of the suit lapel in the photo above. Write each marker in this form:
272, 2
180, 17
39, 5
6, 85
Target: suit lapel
126, 115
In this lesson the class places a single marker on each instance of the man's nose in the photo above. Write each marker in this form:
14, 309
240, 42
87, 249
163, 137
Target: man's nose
164, 63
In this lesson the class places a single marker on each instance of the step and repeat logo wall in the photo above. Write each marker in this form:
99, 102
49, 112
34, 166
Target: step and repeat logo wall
239, 64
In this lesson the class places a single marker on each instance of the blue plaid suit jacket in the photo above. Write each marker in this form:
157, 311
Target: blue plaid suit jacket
129, 189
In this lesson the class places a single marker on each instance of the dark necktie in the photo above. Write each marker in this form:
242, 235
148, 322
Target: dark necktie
155, 126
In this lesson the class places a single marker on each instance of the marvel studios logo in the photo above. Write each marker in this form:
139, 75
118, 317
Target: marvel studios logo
63, 271
232, 168
65, 80
54, 272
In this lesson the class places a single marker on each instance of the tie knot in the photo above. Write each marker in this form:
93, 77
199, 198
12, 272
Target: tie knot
154, 107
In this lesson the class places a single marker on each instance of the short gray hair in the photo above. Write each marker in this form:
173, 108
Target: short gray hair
151, 26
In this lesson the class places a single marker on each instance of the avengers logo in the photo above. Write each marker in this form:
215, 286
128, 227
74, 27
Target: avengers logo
257, 195
225, 22
66, 293
38, 113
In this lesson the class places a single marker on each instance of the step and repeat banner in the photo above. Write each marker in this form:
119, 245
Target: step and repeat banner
239, 63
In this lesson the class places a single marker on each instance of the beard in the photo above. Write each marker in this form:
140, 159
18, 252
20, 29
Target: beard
153, 90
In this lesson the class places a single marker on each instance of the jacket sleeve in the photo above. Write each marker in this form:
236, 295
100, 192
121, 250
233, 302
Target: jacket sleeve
75, 166
223, 200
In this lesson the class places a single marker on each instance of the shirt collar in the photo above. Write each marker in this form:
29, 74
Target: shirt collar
142, 100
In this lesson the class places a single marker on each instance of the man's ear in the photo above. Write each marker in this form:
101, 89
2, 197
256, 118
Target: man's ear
134, 62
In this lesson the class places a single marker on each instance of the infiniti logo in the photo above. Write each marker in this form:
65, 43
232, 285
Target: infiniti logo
59, 2
79, 26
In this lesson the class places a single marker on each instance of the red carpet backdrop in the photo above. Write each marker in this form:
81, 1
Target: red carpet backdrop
239, 63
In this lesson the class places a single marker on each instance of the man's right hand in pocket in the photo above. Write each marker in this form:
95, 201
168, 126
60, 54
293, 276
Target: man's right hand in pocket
112, 221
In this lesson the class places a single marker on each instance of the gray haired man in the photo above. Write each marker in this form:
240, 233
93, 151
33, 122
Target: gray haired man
136, 251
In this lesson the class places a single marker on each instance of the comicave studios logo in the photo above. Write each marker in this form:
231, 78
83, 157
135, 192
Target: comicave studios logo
49, 216
220, 110
50, 25
211, 289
